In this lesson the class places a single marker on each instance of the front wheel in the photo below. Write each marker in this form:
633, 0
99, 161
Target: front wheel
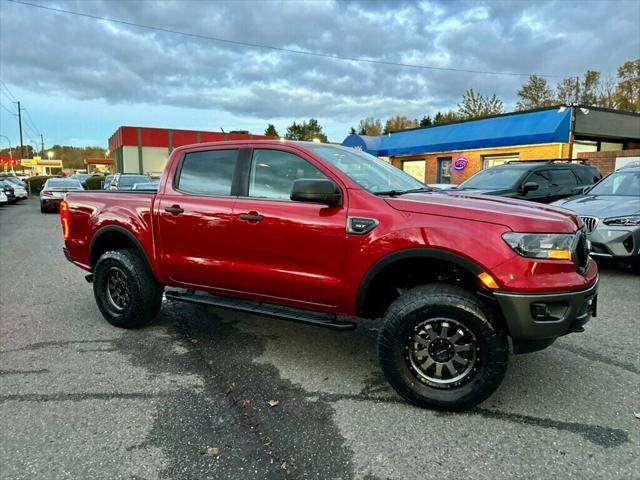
438, 348
125, 289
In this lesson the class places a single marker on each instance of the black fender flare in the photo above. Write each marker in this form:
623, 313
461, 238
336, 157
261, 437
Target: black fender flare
417, 252
115, 228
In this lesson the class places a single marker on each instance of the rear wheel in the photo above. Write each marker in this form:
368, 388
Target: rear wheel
438, 348
125, 289
42, 209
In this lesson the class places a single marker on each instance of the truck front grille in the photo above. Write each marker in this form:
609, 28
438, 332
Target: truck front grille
590, 222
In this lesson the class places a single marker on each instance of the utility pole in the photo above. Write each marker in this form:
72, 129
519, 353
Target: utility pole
41, 146
20, 127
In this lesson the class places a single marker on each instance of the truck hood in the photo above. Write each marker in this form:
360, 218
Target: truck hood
518, 215
601, 206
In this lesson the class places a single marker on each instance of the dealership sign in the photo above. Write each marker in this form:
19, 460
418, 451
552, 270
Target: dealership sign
460, 163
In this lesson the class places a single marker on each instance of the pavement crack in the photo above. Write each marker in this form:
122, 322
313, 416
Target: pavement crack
23, 372
598, 357
603, 436
62, 343
77, 397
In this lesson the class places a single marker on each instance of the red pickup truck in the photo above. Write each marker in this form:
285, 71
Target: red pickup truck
328, 235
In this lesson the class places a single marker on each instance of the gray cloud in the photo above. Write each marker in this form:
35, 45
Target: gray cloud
89, 59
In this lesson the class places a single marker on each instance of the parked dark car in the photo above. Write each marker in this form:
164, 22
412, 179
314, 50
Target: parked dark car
126, 181
542, 181
8, 190
54, 190
610, 211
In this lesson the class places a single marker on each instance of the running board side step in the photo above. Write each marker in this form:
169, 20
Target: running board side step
327, 320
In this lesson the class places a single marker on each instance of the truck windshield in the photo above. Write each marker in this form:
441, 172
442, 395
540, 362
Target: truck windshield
369, 172
494, 178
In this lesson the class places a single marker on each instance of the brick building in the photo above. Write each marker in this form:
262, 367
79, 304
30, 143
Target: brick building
453, 152
146, 150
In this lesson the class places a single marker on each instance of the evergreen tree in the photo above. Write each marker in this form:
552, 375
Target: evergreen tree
271, 131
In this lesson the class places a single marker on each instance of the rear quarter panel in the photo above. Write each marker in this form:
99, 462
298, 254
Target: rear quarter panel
90, 212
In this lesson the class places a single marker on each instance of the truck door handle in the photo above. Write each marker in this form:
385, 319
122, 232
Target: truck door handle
174, 209
251, 217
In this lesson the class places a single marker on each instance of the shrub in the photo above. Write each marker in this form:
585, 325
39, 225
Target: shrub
36, 183
94, 182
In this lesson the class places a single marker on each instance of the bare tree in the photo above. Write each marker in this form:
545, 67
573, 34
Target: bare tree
370, 126
476, 105
398, 123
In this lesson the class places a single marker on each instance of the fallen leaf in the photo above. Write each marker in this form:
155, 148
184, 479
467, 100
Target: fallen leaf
195, 341
636, 414
244, 403
284, 465
212, 451
273, 403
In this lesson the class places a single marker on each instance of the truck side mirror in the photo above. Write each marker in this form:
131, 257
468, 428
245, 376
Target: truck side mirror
316, 190
528, 187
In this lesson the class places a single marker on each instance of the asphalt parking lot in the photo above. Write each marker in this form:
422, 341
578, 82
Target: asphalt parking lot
187, 397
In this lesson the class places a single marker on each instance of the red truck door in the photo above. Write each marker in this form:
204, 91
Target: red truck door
286, 249
195, 217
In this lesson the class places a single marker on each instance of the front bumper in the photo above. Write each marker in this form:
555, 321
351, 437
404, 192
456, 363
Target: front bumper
50, 202
544, 317
622, 243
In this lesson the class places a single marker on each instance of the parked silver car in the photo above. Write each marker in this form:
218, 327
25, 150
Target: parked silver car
610, 211
54, 190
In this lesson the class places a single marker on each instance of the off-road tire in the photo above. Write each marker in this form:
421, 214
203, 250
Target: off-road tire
144, 292
450, 302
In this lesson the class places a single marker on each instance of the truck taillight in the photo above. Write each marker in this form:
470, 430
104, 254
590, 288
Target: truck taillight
64, 219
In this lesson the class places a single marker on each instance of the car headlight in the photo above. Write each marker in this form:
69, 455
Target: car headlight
541, 245
627, 220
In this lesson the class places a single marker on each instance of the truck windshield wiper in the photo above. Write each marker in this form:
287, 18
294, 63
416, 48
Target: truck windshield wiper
396, 193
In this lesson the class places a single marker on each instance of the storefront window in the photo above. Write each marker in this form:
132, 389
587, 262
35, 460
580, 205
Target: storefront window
415, 168
580, 146
489, 161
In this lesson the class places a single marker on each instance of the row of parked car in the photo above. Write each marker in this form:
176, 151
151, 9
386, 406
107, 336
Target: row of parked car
609, 207
12, 190
54, 189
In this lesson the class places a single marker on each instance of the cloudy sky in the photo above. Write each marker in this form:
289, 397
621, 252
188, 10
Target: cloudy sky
80, 78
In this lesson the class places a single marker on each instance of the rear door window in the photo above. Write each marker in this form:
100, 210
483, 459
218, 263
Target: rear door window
208, 173
563, 177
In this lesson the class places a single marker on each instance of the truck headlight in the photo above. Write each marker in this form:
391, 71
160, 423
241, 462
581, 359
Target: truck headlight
556, 246
627, 220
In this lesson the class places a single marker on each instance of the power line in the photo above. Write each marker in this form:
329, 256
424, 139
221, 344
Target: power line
282, 49
9, 94
10, 112
31, 122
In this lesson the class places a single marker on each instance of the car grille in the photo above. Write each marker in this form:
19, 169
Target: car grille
590, 222
581, 251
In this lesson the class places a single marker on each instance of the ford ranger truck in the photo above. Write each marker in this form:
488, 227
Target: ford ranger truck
328, 236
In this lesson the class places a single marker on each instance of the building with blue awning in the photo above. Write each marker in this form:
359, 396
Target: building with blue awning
452, 152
